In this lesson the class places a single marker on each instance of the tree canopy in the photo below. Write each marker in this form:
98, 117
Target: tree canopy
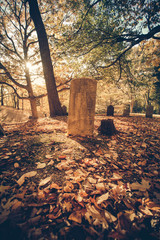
118, 24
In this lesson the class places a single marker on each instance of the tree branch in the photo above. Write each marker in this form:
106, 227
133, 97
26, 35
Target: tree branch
11, 78
92, 5
15, 91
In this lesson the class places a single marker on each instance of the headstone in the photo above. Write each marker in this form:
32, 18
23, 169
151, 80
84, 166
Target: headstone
107, 127
149, 111
126, 111
82, 107
64, 108
110, 110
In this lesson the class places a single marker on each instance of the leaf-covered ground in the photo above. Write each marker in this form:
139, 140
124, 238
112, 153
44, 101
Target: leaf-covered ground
57, 187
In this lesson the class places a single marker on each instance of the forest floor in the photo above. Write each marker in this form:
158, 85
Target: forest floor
53, 186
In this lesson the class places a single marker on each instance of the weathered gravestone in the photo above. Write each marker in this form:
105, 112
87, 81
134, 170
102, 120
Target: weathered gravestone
82, 106
149, 111
110, 110
126, 111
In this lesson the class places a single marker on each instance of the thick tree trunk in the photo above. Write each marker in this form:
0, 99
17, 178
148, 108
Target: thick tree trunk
53, 99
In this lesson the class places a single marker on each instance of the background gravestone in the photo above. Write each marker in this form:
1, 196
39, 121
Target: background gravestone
64, 108
82, 106
126, 111
149, 111
110, 110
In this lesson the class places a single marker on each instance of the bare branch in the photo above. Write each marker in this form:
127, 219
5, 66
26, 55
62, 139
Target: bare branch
92, 5
15, 91
64, 89
11, 78
61, 84
13, 44
32, 43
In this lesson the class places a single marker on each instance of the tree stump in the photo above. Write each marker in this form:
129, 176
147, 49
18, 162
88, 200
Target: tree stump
110, 110
1, 131
107, 127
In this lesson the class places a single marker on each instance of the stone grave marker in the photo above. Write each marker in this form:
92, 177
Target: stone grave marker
110, 110
149, 111
126, 111
82, 107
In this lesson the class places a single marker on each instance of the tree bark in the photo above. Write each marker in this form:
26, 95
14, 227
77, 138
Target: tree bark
53, 98
2, 102
32, 99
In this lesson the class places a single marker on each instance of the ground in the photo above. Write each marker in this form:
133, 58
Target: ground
55, 186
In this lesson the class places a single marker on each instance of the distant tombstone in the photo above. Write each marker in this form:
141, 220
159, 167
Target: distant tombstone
82, 107
64, 108
2, 133
110, 110
149, 111
126, 111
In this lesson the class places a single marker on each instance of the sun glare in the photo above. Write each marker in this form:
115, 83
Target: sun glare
29, 65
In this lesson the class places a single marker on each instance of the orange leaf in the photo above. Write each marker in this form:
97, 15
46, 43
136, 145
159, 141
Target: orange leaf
76, 217
62, 157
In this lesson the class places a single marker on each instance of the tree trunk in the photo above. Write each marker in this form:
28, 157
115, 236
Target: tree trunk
2, 103
53, 99
32, 99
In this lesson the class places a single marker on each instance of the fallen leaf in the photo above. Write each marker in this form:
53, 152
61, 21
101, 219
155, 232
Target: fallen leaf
16, 204
28, 175
100, 186
49, 156
16, 165
143, 186
62, 157
67, 206
109, 216
76, 217
92, 180
69, 187
4, 188
51, 163
102, 198
21, 180
44, 181
145, 210
41, 165
54, 186
116, 177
